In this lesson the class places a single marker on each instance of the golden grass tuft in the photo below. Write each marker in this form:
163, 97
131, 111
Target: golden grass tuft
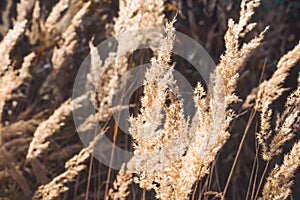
174, 157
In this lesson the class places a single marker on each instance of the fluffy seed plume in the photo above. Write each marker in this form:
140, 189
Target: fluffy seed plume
73, 167
279, 182
48, 127
197, 144
268, 92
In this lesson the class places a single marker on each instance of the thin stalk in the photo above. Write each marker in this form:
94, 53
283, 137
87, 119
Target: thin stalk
252, 173
111, 159
89, 179
194, 192
239, 150
261, 180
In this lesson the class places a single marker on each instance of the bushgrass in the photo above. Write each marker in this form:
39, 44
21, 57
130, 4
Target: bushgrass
41, 156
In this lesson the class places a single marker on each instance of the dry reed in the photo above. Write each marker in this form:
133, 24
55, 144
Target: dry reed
171, 152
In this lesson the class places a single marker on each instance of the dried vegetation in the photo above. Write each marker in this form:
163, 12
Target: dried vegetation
175, 157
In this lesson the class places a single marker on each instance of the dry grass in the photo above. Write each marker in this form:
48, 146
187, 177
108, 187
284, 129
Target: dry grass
175, 157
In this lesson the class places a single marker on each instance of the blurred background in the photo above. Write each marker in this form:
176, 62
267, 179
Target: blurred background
47, 87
